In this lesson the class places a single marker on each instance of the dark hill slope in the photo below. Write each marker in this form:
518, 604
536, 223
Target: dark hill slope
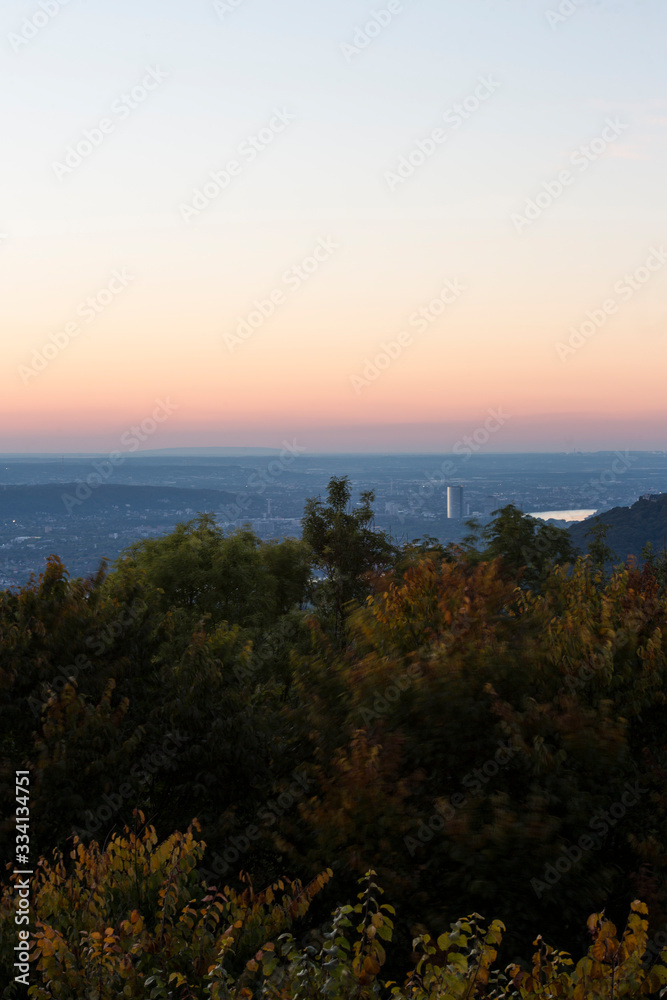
630, 528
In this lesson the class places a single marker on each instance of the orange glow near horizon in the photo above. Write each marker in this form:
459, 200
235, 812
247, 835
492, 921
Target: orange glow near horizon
315, 295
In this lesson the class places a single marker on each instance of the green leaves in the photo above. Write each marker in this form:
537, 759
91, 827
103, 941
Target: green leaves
463, 741
526, 546
197, 571
90, 943
346, 549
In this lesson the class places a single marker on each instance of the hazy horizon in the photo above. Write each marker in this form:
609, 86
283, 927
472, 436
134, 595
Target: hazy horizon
260, 452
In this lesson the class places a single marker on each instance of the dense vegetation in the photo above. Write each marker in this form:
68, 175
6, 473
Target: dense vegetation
483, 726
630, 529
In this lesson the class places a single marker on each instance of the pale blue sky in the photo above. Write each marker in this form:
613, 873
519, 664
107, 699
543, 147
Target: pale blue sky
326, 173
225, 74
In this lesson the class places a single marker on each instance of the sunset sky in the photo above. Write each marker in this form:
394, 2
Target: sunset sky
354, 280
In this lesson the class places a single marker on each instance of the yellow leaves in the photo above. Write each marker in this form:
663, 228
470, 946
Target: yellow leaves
457, 961
495, 932
78, 940
655, 979
580, 992
515, 973
46, 947
371, 965
366, 968
604, 950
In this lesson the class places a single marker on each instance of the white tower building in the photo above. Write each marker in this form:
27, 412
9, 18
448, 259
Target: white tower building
455, 502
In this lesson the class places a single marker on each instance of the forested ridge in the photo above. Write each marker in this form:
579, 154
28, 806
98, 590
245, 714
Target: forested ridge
630, 529
224, 737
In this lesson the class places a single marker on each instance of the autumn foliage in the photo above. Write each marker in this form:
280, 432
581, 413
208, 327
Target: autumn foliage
134, 921
486, 741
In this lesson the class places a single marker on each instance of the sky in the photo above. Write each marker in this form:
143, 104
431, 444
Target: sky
354, 226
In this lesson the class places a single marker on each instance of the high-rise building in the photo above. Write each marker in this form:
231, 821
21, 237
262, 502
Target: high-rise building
455, 502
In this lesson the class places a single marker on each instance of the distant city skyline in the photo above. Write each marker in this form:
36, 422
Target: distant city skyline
364, 227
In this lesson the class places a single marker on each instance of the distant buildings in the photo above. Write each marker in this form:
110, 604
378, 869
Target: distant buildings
489, 504
455, 502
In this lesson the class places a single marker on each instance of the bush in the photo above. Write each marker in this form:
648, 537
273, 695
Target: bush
134, 920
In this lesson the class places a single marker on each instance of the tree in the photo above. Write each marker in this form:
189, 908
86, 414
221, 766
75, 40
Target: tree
237, 578
346, 548
599, 550
527, 545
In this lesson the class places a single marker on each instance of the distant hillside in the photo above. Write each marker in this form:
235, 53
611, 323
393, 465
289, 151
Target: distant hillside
630, 527
48, 499
133, 456
205, 453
